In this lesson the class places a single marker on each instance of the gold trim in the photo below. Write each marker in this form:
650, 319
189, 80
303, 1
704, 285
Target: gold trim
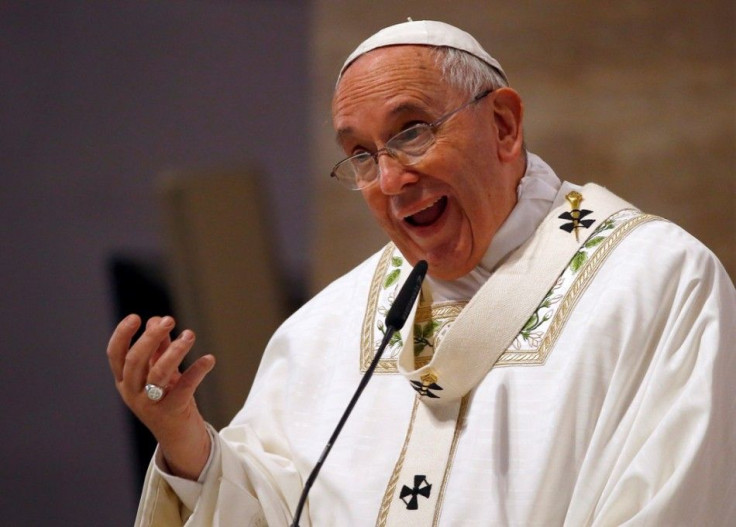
366, 340
393, 481
572, 295
440, 310
451, 458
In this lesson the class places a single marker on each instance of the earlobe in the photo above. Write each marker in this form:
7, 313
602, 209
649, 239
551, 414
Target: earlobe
508, 112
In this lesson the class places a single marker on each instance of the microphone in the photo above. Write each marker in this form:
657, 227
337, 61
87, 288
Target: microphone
395, 320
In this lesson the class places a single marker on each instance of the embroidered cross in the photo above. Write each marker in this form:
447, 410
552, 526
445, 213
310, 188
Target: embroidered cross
421, 488
427, 384
576, 215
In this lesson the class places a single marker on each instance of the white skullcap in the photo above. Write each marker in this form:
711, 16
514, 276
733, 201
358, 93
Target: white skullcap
424, 33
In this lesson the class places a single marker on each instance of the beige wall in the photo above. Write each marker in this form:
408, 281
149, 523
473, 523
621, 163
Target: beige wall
638, 97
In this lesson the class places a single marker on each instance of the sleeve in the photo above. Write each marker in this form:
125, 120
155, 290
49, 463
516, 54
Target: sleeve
258, 462
188, 491
222, 497
250, 478
670, 450
254, 475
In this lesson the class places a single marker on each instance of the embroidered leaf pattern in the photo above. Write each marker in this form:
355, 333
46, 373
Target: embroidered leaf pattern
528, 332
395, 339
393, 275
391, 278
593, 242
596, 239
534, 322
424, 335
532, 335
578, 260
605, 226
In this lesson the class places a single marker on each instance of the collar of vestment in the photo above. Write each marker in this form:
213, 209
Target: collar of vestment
582, 227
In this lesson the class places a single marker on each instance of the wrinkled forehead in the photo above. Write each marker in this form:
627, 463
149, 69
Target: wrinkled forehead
396, 78
423, 33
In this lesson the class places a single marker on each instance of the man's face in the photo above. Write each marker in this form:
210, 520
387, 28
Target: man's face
446, 208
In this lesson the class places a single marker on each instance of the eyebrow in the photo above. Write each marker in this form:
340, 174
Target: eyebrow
401, 108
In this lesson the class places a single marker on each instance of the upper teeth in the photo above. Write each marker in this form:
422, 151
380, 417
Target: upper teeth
425, 208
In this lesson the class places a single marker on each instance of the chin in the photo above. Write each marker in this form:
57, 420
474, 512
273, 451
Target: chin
447, 270
444, 264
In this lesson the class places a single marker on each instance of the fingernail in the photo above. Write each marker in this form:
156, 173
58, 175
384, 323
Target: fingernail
186, 336
167, 322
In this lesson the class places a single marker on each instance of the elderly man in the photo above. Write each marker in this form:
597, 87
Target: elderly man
570, 361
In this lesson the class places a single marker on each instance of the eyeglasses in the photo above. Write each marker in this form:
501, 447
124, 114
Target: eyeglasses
407, 147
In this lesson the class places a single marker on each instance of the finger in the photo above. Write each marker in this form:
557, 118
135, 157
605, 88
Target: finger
191, 379
165, 343
119, 343
166, 369
135, 369
153, 321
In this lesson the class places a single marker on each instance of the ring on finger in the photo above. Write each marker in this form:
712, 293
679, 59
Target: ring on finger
154, 392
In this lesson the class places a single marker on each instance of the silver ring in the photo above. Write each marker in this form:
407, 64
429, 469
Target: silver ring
154, 392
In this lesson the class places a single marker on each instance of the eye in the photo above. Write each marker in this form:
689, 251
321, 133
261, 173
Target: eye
413, 140
361, 160
413, 127
412, 132
359, 150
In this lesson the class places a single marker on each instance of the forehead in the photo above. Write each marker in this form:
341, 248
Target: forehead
396, 78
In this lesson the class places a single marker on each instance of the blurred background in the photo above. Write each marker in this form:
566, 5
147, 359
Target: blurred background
172, 156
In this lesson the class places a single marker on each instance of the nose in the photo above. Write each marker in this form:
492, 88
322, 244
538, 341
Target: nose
392, 175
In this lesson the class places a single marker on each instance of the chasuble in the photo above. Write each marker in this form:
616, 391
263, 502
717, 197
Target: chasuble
612, 404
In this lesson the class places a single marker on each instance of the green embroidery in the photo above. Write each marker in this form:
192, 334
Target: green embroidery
531, 335
391, 278
535, 320
529, 332
578, 260
395, 339
424, 335
593, 242
393, 275
595, 239
395, 343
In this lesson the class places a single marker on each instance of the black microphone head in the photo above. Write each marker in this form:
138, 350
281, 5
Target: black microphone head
399, 311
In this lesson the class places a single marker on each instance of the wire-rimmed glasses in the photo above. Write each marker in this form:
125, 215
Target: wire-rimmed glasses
407, 147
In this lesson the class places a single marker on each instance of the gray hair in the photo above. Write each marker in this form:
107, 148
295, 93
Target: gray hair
469, 74
465, 72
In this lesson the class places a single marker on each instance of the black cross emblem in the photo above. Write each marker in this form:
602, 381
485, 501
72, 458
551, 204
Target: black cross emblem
421, 488
576, 215
423, 388
576, 219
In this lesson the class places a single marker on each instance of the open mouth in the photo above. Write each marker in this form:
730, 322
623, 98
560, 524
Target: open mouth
429, 215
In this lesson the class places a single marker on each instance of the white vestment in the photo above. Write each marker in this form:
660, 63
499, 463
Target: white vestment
614, 405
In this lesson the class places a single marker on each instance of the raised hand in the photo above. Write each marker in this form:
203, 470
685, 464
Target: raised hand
154, 359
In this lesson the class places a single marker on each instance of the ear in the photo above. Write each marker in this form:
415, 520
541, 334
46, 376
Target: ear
508, 112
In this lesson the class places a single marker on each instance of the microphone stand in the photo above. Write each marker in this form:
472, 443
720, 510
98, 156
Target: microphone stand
395, 320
